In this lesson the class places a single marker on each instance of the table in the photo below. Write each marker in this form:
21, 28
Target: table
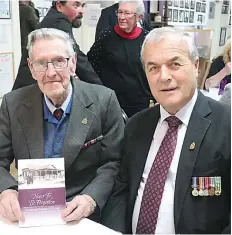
212, 93
86, 226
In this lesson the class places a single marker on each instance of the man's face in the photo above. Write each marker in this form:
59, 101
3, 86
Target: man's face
171, 74
73, 10
53, 82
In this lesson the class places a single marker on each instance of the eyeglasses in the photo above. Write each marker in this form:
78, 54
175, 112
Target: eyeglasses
42, 66
126, 14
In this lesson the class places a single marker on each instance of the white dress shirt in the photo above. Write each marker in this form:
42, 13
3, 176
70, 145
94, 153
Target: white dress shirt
165, 222
64, 106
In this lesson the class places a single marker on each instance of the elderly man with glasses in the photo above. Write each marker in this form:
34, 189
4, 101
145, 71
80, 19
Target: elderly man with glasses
65, 118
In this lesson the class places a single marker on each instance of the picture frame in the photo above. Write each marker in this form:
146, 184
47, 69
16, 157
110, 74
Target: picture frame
169, 3
169, 14
225, 9
192, 4
191, 17
186, 16
175, 15
176, 3
5, 9
226, 2
199, 19
181, 3
198, 7
212, 10
222, 39
203, 7
181, 15
187, 4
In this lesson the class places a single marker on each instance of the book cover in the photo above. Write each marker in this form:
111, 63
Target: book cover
41, 191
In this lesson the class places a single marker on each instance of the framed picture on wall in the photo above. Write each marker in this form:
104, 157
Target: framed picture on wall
169, 3
226, 3
198, 7
211, 10
169, 14
192, 4
181, 3
191, 17
186, 4
181, 15
5, 9
199, 19
203, 7
175, 15
176, 3
222, 39
186, 16
225, 9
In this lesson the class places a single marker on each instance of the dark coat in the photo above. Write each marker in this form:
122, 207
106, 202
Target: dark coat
84, 70
28, 22
210, 128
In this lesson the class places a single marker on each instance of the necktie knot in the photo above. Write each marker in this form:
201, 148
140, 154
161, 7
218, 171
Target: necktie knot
173, 121
58, 113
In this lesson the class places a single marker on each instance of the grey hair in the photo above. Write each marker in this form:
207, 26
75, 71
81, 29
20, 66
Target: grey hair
158, 34
140, 9
49, 33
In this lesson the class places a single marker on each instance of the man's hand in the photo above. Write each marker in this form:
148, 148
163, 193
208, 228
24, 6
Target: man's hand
80, 207
9, 206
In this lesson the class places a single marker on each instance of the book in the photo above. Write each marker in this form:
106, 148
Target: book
41, 191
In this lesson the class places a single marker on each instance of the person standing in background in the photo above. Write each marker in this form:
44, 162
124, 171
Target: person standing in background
63, 15
28, 21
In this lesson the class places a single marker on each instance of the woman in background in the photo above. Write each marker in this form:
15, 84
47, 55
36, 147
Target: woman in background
220, 70
115, 57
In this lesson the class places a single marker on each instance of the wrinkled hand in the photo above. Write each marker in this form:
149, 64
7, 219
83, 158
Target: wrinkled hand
80, 207
10, 210
228, 68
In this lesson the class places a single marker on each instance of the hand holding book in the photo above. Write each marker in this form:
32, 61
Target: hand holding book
9, 206
80, 207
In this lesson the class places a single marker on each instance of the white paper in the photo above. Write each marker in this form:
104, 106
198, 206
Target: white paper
93, 13
6, 73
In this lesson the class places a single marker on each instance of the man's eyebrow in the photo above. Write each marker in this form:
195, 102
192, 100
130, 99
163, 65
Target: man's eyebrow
174, 58
150, 63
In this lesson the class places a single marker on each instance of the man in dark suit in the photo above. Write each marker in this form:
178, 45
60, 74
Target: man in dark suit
108, 19
63, 15
61, 117
175, 173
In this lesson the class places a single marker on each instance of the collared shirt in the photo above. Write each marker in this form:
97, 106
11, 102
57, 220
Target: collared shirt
165, 222
54, 130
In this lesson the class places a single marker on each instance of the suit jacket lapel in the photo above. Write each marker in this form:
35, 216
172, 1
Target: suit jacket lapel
145, 132
31, 119
77, 129
196, 131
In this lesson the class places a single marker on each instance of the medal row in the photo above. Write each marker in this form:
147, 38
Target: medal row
206, 186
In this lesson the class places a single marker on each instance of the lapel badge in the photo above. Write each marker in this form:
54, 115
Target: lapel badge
192, 146
84, 121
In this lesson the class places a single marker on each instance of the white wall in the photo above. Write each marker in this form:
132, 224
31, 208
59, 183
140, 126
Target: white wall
10, 30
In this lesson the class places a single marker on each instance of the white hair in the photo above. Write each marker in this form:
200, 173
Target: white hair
158, 34
140, 9
49, 33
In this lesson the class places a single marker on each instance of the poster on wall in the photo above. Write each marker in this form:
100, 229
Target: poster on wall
93, 13
6, 73
4, 9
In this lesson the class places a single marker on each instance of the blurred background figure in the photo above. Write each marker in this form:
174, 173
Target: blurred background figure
108, 19
226, 98
115, 57
28, 20
220, 70
33, 6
